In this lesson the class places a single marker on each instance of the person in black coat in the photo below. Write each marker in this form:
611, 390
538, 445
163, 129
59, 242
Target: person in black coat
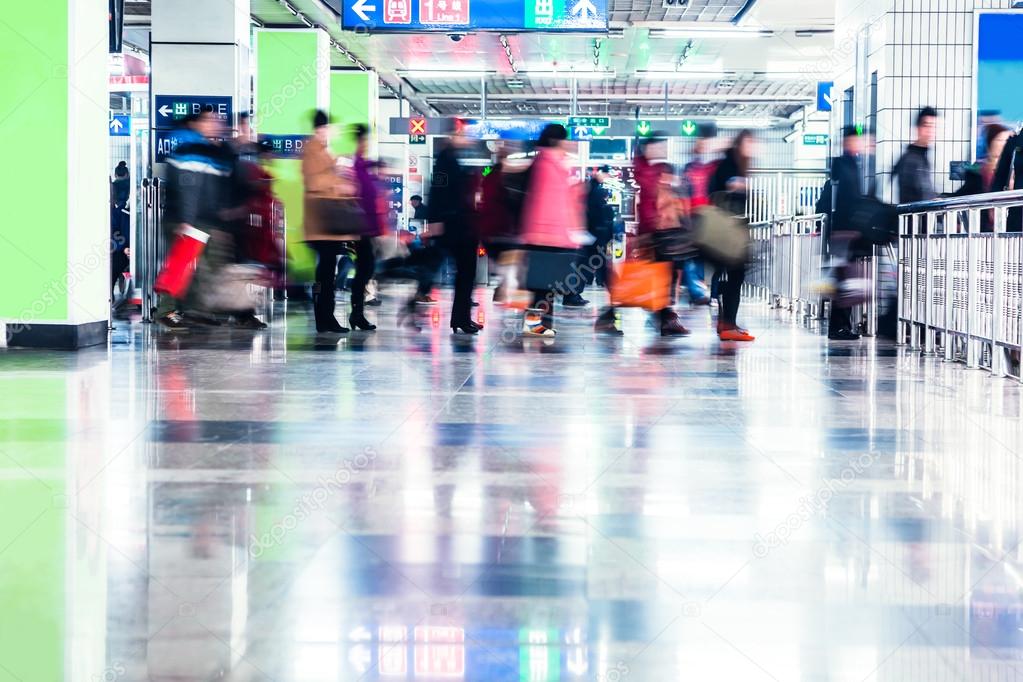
592, 262
913, 170
847, 195
452, 204
728, 188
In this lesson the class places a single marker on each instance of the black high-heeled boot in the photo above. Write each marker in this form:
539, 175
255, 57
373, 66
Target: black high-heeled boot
323, 312
358, 321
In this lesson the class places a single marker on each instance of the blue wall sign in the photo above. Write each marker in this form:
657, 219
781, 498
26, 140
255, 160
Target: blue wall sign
286, 146
120, 125
486, 15
824, 97
395, 187
168, 109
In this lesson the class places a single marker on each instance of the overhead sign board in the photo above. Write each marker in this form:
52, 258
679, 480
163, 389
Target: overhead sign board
825, 99
120, 125
169, 109
417, 130
511, 129
589, 121
475, 15
816, 140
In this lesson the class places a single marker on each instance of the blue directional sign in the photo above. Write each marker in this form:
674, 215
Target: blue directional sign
824, 96
168, 109
286, 146
475, 15
120, 125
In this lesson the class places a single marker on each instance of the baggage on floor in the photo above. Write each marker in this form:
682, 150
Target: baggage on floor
237, 289
179, 266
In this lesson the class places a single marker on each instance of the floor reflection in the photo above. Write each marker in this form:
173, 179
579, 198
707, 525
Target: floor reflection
247, 506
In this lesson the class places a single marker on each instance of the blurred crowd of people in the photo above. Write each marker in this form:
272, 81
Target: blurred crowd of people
550, 236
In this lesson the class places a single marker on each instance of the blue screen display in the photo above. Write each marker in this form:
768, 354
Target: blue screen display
999, 71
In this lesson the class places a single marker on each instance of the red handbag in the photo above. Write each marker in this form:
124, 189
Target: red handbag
179, 265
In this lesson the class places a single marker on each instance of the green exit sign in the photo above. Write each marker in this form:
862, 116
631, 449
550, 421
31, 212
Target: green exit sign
589, 121
643, 128
689, 128
816, 140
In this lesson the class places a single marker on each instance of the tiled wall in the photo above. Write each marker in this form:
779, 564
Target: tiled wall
922, 51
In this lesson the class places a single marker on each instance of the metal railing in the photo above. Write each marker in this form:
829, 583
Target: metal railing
960, 286
786, 256
152, 245
783, 192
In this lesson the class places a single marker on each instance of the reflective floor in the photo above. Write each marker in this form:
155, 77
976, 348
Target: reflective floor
247, 506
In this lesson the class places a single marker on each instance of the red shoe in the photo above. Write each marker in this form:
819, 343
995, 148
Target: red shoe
735, 334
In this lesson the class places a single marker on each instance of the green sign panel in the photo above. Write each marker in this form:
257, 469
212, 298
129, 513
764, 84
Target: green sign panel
589, 121
689, 128
643, 128
816, 140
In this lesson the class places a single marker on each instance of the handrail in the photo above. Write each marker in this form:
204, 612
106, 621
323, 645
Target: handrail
989, 200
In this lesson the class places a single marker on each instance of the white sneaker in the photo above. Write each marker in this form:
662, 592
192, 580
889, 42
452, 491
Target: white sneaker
532, 325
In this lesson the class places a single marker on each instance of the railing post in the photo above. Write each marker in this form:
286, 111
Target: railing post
950, 217
998, 259
929, 225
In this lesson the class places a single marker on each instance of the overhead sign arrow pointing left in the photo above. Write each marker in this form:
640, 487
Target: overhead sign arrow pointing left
165, 111
360, 8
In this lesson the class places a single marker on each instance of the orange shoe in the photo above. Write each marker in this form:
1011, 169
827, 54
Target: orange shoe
735, 334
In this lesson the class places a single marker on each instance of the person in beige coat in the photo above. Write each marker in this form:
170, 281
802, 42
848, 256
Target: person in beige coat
324, 180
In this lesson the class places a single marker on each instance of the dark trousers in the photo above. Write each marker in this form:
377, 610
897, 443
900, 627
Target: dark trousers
327, 253
118, 265
840, 318
426, 261
731, 293
463, 252
544, 302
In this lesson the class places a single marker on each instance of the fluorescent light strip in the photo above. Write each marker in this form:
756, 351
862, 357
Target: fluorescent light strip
437, 74
668, 33
453, 75
685, 75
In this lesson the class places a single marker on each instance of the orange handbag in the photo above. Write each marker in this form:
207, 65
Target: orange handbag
641, 284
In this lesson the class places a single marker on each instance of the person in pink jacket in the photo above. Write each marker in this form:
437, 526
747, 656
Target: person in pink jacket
552, 218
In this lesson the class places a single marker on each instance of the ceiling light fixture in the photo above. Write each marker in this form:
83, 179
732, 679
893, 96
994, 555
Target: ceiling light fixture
707, 32
436, 74
684, 75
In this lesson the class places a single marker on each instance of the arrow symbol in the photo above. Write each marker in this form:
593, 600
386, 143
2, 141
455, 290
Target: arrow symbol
643, 128
688, 127
360, 8
583, 8
115, 124
165, 111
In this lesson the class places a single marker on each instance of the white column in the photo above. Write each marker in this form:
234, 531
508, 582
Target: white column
202, 48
